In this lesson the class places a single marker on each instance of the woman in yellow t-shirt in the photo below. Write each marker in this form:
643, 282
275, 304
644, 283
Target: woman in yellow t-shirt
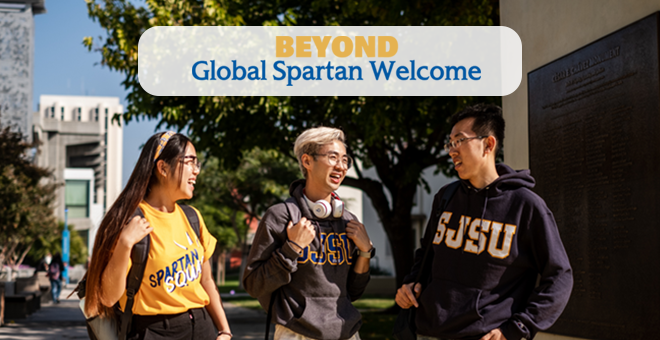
178, 297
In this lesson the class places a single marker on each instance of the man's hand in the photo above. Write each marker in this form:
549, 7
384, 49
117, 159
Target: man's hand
405, 297
495, 334
302, 233
358, 234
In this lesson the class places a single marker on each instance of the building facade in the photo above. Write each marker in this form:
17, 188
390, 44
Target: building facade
82, 145
17, 62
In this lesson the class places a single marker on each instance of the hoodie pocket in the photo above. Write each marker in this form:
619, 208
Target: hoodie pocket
448, 307
327, 318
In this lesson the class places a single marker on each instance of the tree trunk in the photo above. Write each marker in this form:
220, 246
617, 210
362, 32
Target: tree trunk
396, 221
220, 272
11, 260
20, 260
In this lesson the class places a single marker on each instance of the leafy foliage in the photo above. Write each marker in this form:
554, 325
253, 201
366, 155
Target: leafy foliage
229, 200
398, 136
51, 242
25, 202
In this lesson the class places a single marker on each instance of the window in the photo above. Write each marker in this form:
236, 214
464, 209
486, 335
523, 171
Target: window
96, 114
79, 114
52, 112
62, 113
77, 198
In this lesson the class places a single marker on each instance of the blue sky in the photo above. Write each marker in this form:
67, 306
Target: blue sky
63, 66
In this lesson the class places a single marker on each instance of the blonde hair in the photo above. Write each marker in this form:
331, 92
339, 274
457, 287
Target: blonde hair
311, 140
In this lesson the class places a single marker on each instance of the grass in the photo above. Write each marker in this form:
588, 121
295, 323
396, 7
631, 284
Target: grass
230, 284
373, 304
375, 323
246, 302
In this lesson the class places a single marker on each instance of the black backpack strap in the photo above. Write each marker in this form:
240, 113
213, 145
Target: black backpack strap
192, 217
293, 209
446, 197
139, 256
295, 215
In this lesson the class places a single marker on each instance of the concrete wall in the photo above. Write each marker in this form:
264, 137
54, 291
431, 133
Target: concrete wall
95, 209
549, 30
73, 129
16, 67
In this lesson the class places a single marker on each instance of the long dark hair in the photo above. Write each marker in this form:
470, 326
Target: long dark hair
115, 220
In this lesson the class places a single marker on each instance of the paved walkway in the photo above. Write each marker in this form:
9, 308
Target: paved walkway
66, 321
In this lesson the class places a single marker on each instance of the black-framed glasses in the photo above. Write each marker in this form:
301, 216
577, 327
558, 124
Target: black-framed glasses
333, 159
192, 162
457, 143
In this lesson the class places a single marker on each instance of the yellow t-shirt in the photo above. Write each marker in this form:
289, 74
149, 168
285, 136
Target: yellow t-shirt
172, 277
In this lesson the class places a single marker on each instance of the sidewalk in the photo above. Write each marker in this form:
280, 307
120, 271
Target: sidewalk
66, 321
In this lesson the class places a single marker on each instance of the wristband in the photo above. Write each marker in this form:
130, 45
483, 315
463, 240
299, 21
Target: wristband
367, 254
297, 245
225, 333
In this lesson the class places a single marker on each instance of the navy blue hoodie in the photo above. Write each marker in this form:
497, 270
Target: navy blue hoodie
489, 247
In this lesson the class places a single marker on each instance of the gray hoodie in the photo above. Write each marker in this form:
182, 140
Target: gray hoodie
315, 288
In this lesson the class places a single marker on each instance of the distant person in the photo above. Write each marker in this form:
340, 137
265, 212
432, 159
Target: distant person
178, 298
317, 265
42, 266
489, 246
55, 269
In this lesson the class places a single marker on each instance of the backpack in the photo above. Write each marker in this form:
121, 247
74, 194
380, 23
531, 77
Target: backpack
54, 271
110, 329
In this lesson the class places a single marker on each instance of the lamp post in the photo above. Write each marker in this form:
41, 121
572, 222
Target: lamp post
65, 246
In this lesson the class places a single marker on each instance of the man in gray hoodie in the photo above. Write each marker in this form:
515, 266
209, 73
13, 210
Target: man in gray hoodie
310, 254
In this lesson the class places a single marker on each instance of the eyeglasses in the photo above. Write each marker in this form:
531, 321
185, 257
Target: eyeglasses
457, 143
333, 158
192, 162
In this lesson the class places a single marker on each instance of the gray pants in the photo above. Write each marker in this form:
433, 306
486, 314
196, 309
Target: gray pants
283, 333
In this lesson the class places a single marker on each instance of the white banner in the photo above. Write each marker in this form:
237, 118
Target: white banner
330, 61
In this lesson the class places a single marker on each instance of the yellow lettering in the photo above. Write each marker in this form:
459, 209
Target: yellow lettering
369, 48
283, 46
321, 45
348, 47
302, 47
383, 52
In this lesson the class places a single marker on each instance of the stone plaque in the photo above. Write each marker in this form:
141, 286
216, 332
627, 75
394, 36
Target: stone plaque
594, 128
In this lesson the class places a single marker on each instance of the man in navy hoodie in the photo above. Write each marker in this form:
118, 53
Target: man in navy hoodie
489, 246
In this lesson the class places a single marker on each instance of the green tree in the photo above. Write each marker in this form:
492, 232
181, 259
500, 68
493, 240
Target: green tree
51, 242
398, 136
25, 202
231, 200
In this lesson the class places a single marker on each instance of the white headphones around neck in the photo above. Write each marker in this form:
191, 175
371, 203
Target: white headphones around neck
322, 208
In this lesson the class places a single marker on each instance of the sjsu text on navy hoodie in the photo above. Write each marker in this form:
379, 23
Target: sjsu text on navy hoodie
489, 247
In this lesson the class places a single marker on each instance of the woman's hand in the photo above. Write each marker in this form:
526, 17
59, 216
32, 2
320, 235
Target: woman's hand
223, 336
136, 229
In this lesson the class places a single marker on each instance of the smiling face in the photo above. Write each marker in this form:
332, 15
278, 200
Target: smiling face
322, 177
470, 159
180, 184
189, 172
